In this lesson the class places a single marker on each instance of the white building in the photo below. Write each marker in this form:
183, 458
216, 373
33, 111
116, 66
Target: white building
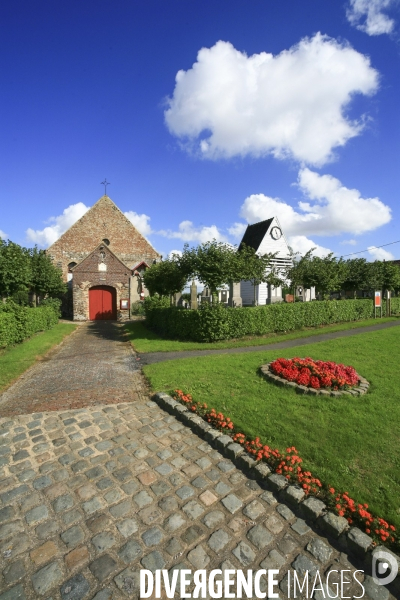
265, 237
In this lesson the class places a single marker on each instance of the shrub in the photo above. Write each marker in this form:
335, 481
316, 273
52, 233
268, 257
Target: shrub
20, 322
215, 322
137, 308
155, 301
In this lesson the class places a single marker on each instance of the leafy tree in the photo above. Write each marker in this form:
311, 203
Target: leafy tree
257, 268
46, 279
390, 276
356, 275
165, 278
326, 274
212, 263
15, 268
383, 275
374, 275
297, 274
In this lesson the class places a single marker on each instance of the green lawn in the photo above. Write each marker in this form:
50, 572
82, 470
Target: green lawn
350, 443
143, 340
15, 360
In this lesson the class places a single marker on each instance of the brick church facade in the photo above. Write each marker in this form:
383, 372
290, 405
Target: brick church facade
102, 257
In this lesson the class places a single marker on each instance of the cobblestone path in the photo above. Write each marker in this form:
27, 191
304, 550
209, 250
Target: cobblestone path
94, 365
89, 496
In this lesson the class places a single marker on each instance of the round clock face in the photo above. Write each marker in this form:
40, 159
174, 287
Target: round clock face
276, 233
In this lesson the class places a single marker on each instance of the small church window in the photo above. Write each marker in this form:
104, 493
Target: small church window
71, 264
106, 241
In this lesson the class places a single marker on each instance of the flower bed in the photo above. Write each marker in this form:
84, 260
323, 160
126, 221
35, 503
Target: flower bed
316, 376
288, 464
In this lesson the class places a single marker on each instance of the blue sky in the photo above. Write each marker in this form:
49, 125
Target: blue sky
280, 108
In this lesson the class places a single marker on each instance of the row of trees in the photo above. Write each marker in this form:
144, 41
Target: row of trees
331, 274
216, 264
26, 271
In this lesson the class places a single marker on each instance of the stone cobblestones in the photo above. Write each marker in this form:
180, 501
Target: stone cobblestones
111, 489
86, 521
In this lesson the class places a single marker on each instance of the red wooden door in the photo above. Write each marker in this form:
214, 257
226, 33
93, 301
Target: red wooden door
102, 303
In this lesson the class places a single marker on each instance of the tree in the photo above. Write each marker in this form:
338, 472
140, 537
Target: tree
326, 274
165, 278
15, 268
356, 275
257, 268
298, 272
46, 279
212, 263
390, 276
383, 276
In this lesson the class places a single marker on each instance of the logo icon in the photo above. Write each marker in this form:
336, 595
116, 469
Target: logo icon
384, 567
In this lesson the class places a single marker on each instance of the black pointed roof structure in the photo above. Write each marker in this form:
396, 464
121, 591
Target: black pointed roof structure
254, 234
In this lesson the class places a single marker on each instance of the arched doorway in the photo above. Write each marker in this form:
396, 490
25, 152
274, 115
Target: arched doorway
102, 303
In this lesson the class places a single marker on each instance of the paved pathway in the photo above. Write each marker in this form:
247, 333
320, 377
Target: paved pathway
156, 357
93, 365
88, 496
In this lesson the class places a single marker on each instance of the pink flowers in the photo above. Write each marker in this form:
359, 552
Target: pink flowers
315, 373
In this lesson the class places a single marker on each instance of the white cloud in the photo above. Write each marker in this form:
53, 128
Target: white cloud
173, 253
380, 253
349, 242
3, 235
302, 244
368, 16
47, 236
141, 222
188, 233
289, 105
237, 230
334, 208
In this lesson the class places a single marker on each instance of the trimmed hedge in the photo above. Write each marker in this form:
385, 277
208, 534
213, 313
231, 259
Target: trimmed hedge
216, 322
20, 322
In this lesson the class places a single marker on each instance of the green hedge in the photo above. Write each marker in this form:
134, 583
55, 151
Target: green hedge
20, 322
212, 323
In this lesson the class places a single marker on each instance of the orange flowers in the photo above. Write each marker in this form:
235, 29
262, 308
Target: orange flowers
289, 464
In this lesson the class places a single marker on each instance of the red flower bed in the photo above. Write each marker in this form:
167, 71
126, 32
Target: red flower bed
289, 464
315, 373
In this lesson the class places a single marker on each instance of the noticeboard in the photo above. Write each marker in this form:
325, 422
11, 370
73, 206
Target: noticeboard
377, 300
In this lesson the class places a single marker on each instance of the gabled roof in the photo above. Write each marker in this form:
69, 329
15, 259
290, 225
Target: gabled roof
254, 234
100, 222
107, 250
143, 263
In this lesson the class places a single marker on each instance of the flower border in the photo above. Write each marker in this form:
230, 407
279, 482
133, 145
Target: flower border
362, 388
335, 512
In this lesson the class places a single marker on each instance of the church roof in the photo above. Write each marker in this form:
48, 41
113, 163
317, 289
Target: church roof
104, 221
254, 234
106, 250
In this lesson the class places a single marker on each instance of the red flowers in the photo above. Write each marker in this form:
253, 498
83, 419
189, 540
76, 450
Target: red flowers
315, 373
289, 463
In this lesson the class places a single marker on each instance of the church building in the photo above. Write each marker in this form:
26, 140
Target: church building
102, 257
266, 237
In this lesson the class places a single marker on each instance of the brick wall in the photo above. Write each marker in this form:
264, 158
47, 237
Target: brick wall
87, 275
103, 221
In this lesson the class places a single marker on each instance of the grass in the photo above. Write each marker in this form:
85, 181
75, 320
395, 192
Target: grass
17, 359
143, 340
350, 443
